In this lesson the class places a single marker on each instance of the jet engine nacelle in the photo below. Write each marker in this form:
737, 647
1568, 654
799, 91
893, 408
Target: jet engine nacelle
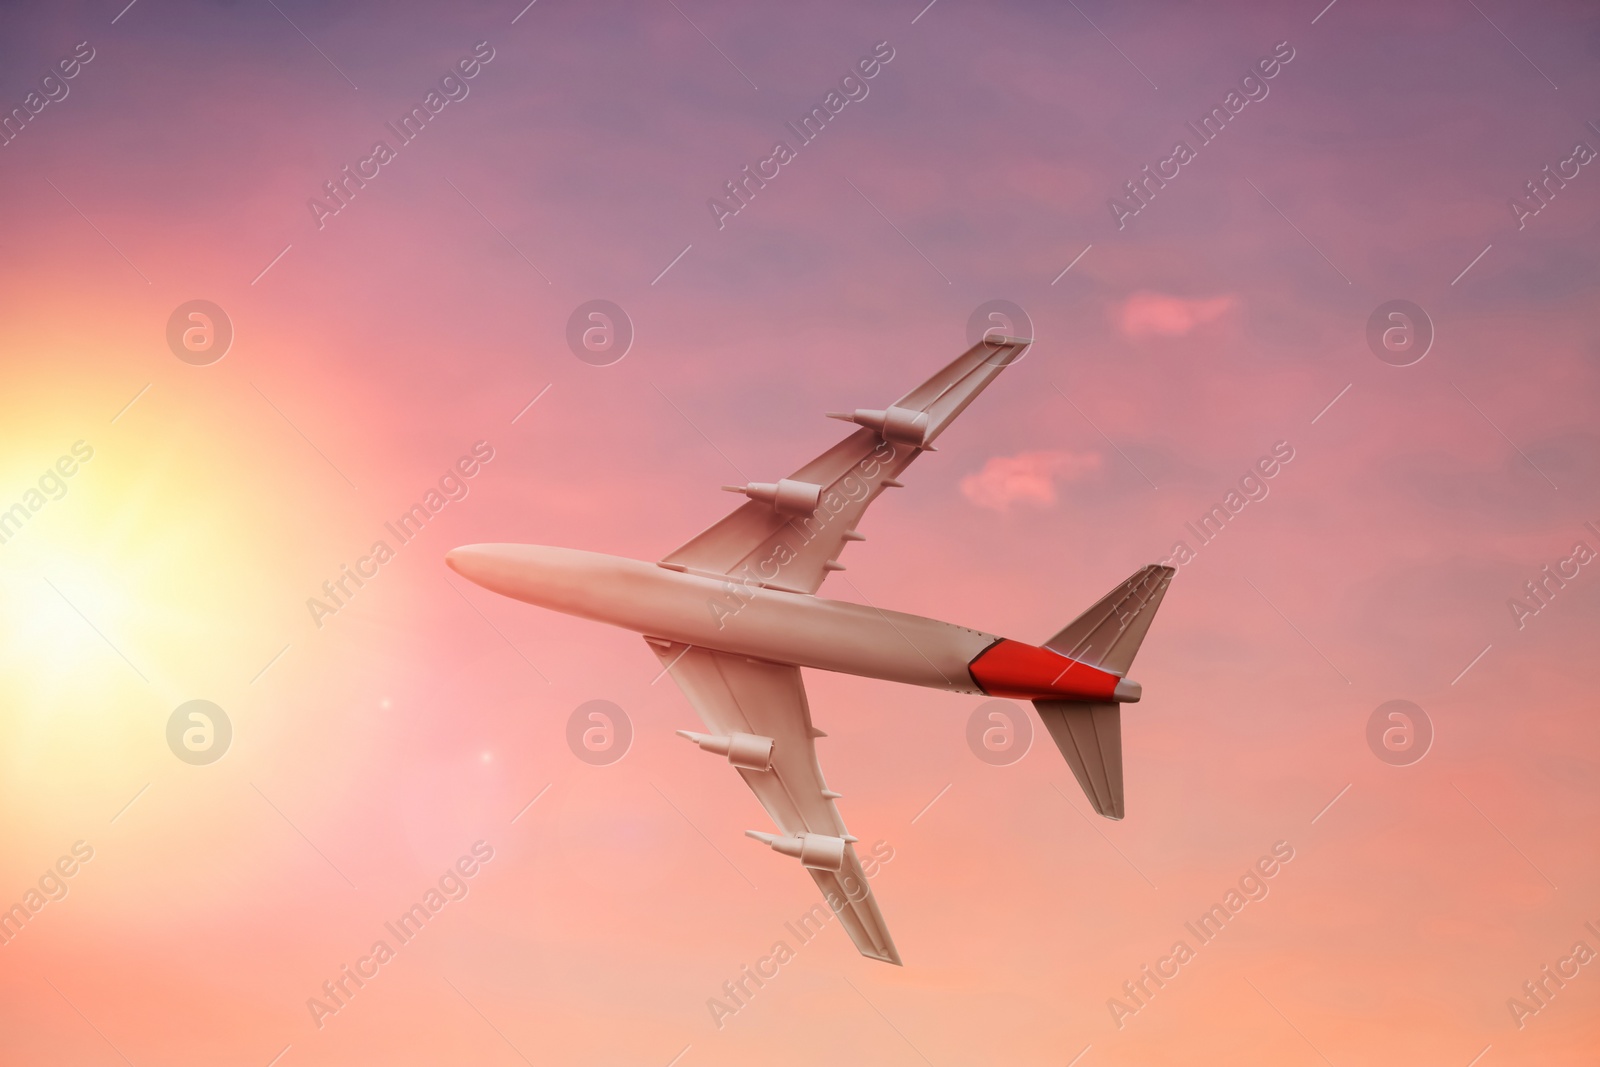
786, 496
901, 425
749, 751
812, 850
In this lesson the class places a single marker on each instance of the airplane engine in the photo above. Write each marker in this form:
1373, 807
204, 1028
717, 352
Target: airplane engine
787, 496
900, 425
812, 850
743, 750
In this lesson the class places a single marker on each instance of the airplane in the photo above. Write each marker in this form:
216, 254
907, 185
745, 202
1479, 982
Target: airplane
733, 615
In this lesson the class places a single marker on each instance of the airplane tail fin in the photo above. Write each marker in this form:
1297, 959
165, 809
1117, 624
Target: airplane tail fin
1106, 636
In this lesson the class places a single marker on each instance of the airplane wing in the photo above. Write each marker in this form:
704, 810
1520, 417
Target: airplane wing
789, 534
757, 716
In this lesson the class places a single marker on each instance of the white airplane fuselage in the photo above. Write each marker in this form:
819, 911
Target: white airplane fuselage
765, 624
778, 626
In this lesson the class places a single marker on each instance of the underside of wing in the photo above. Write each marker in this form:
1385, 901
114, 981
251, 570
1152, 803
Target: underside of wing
755, 714
790, 533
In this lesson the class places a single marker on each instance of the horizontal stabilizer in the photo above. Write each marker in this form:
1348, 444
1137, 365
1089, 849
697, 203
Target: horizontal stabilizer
1090, 736
1109, 634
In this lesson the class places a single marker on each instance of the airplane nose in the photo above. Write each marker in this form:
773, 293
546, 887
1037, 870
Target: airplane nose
517, 571
475, 563
535, 574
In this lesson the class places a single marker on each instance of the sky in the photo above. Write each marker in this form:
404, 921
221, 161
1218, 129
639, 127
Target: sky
180, 489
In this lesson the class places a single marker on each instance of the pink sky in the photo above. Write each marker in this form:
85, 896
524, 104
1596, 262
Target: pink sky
1217, 325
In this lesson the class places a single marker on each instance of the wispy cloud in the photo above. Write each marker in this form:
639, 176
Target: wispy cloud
1027, 477
1150, 314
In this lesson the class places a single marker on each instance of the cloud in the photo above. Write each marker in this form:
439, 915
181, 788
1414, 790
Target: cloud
1026, 476
1147, 314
